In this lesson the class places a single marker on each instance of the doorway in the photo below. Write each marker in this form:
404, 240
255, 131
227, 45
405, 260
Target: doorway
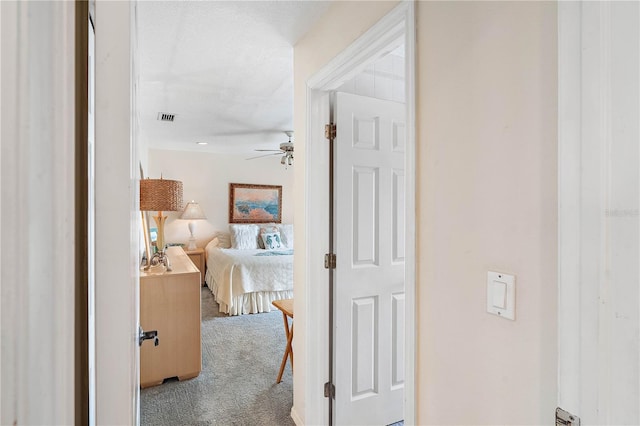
117, 392
393, 30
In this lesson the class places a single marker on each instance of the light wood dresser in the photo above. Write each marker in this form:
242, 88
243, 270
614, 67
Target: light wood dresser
170, 303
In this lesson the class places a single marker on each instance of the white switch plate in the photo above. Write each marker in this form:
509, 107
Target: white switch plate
501, 294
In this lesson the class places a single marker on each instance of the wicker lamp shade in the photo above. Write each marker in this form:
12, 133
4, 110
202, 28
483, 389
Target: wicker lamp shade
160, 195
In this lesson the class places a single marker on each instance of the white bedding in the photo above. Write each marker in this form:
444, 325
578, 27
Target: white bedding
247, 281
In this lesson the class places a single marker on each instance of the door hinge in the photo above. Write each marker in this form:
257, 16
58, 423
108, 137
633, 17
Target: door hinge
329, 390
330, 131
330, 261
564, 418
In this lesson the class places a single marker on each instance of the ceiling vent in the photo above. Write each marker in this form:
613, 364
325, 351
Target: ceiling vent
165, 116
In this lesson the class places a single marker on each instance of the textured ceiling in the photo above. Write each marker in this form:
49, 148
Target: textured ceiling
225, 68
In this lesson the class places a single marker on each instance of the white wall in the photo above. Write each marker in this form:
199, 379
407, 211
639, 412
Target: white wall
205, 178
487, 200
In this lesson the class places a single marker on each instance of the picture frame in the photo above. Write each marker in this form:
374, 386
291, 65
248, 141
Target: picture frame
249, 203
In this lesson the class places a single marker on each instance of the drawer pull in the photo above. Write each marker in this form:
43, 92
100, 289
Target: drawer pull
148, 335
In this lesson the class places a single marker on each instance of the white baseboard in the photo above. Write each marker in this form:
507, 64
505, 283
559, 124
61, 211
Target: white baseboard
296, 418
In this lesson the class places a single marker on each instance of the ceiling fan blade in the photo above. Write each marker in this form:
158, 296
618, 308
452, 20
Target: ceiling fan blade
265, 155
268, 150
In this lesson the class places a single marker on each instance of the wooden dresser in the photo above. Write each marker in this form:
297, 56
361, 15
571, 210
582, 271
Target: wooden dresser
170, 303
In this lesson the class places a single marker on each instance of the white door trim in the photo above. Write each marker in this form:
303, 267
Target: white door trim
399, 23
117, 217
37, 262
569, 131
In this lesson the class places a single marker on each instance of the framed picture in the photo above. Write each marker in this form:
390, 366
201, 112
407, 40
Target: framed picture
255, 203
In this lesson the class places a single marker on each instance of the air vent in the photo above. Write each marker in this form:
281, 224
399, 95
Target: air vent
165, 116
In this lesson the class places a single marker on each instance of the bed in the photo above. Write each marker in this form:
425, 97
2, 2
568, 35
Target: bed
246, 279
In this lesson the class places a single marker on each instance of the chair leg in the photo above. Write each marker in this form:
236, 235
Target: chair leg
289, 347
282, 364
288, 353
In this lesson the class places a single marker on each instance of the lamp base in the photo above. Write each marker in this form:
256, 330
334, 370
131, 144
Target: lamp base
159, 258
192, 239
160, 220
192, 244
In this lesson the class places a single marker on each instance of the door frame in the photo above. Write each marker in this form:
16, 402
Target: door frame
117, 216
398, 23
569, 130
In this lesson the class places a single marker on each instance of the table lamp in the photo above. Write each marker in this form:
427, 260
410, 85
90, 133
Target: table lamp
160, 195
192, 212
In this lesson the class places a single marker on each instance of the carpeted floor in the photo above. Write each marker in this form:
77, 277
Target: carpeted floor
237, 386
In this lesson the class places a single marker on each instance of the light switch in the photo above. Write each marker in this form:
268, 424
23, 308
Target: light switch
501, 292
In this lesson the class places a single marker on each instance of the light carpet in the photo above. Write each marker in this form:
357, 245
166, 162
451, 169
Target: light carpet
241, 356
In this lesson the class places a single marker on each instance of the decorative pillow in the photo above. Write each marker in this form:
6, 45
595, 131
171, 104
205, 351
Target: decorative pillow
286, 231
244, 237
215, 242
223, 240
271, 240
266, 229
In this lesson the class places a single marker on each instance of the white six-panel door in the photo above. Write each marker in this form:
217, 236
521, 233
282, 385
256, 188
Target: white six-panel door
370, 241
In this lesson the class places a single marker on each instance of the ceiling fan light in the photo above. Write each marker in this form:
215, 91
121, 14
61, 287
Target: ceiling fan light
283, 160
290, 159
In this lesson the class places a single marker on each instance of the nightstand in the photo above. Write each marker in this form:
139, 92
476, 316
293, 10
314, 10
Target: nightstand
197, 257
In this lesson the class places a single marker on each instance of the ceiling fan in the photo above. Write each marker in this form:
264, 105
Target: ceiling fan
286, 150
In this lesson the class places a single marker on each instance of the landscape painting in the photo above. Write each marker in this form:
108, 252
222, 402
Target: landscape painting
255, 203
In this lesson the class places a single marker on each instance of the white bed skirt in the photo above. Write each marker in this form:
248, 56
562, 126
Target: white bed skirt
247, 303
